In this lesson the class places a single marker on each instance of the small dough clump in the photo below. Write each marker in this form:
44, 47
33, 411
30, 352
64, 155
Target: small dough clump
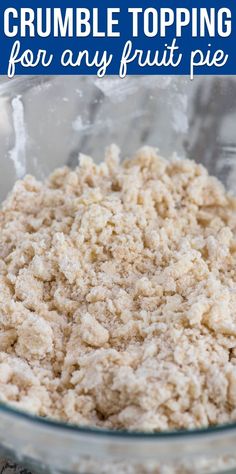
118, 295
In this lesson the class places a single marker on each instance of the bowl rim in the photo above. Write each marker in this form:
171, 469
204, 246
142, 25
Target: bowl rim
71, 428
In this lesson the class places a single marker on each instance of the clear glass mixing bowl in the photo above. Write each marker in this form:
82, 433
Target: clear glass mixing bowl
44, 123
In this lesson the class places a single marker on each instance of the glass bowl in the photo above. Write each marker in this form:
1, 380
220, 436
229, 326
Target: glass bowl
45, 122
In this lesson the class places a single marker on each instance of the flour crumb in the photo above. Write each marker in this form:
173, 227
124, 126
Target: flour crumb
118, 295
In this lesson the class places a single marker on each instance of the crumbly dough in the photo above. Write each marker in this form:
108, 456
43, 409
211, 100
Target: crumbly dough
118, 295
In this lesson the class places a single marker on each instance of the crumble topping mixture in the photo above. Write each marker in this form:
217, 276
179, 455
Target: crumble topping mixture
118, 295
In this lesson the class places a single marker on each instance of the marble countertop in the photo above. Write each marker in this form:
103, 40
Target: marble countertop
9, 467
